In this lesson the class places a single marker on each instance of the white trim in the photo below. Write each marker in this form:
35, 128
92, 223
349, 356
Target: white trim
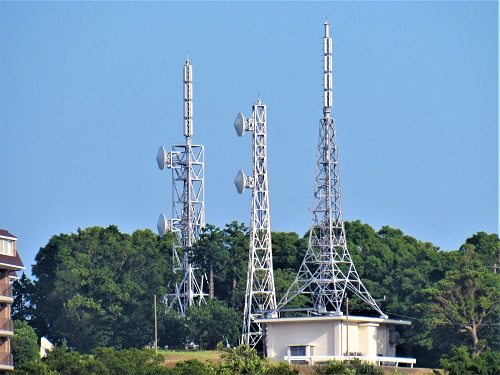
352, 319
325, 358
11, 266
8, 238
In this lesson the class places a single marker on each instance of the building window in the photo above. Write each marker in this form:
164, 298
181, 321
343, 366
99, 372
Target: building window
7, 247
298, 350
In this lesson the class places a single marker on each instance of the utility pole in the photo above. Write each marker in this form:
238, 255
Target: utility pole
347, 320
156, 330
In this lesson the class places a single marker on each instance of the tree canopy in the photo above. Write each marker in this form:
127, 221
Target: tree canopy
95, 288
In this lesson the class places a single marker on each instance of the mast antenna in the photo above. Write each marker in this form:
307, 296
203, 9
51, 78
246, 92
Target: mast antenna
327, 271
260, 296
188, 208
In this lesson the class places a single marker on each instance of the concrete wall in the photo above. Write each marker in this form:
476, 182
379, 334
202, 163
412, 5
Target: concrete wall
330, 338
299, 333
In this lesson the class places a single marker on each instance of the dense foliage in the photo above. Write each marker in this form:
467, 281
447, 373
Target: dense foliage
95, 288
24, 346
103, 361
234, 361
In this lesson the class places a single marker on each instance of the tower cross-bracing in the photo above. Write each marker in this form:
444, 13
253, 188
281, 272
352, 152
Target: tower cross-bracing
260, 296
327, 271
187, 164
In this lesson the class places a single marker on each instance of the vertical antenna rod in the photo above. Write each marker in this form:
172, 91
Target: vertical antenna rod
188, 100
327, 72
187, 164
327, 271
260, 296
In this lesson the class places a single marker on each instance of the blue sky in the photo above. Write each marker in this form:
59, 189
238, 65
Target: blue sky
89, 91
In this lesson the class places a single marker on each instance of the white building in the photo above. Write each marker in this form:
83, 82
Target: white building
315, 339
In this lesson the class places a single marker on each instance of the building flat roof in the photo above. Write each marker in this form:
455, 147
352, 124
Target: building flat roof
323, 318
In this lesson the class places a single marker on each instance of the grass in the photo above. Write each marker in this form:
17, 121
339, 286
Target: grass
172, 357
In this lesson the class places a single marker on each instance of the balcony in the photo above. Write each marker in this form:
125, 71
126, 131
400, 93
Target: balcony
6, 362
6, 328
6, 293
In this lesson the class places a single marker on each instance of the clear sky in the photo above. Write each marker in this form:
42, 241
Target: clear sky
89, 91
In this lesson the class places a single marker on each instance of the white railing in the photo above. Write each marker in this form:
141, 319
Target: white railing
312, 359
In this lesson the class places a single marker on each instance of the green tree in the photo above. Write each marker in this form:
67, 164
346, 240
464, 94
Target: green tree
22, 291
469, 300
283, 278
465, 362
210, 254
288, 250
400, 267
34, 368
211, 323
95, 287
24, 345
172, 331
242, 360
236, 240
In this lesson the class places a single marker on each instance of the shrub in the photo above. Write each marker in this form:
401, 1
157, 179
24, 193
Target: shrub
34, 368
333, 368
193, 367
282, 368
24, 343
466, 363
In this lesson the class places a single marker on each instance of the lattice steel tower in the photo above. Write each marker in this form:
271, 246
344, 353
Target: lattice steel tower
327, 271
260, 296
187, 165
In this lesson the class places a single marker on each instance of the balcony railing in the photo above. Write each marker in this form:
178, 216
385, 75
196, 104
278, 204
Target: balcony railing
5, 324
6, 359
6, 290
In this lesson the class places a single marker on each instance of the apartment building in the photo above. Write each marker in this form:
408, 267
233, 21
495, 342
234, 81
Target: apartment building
10, 263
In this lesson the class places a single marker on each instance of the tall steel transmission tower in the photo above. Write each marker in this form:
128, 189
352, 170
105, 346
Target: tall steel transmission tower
260, 296
327, 271
187, 165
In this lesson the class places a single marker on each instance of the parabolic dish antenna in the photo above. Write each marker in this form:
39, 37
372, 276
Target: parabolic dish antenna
161, 158
239, 124
162, 225
239, 181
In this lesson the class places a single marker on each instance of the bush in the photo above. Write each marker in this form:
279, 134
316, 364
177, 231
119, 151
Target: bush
104, 361
24, 343
282, 368
241, 360
354, 367
193, 367
364, 368
333, 368
465, 363
34, 368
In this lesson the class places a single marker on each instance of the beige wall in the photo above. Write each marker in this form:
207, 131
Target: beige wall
281, 335
383, 343
329, 338
368, 338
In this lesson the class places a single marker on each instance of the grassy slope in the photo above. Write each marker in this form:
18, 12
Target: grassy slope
172, 357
